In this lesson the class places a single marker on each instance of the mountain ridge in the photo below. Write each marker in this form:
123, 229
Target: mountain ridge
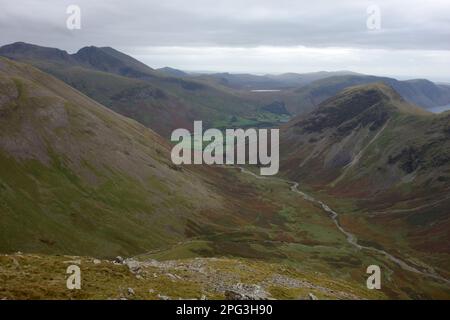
81, 174
421, 92
135, 90
379, 160
76, 178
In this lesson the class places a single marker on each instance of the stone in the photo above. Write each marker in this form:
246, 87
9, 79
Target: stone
242, 291
133, 265
162, 297
312, 297
173, 277
16, 263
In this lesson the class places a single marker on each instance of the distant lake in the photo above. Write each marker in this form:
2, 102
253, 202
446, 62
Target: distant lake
266, 90
440, 109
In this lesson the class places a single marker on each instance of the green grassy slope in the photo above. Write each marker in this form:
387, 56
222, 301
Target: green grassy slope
133, 89
76, 177
211, 278
79, 179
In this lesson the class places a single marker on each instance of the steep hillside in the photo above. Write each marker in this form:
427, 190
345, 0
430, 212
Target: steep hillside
301, 93
76, 177
383, 161
79, 179
357, 119
420, 92
110, 60
133, 89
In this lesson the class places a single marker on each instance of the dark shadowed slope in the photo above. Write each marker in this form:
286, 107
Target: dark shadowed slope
379, 156
421, 92
355, 120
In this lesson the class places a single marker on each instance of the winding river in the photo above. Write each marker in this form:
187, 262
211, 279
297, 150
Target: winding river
351, 238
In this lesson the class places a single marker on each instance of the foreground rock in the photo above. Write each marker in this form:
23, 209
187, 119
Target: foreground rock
243, 291
199, 278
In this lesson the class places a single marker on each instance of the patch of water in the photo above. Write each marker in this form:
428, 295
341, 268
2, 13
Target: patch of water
440, 109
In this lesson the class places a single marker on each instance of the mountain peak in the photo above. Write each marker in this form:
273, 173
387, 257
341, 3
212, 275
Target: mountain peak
88, 53
365, 104
97, 50
88, 49
359, 98
362, 97
110, 60
25, 50
380, 87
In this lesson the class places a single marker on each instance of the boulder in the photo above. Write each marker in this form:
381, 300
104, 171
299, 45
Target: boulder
312, 297
118, 259
133, 265
241, 291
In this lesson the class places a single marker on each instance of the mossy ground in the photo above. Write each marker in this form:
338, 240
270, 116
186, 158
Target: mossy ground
26, 276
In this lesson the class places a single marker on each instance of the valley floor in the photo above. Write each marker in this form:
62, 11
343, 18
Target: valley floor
290, 250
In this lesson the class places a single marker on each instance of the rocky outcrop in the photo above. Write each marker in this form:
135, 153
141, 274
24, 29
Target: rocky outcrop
241, 291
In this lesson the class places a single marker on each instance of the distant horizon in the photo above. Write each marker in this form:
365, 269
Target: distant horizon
393, 38
438, 80
401, 78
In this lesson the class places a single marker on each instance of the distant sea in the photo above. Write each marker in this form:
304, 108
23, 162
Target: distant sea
439, 109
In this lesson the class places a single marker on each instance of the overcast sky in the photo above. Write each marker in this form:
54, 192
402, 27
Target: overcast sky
257, 36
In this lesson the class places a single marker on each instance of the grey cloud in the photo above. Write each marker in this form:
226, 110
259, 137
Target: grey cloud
413, 40
405, 24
